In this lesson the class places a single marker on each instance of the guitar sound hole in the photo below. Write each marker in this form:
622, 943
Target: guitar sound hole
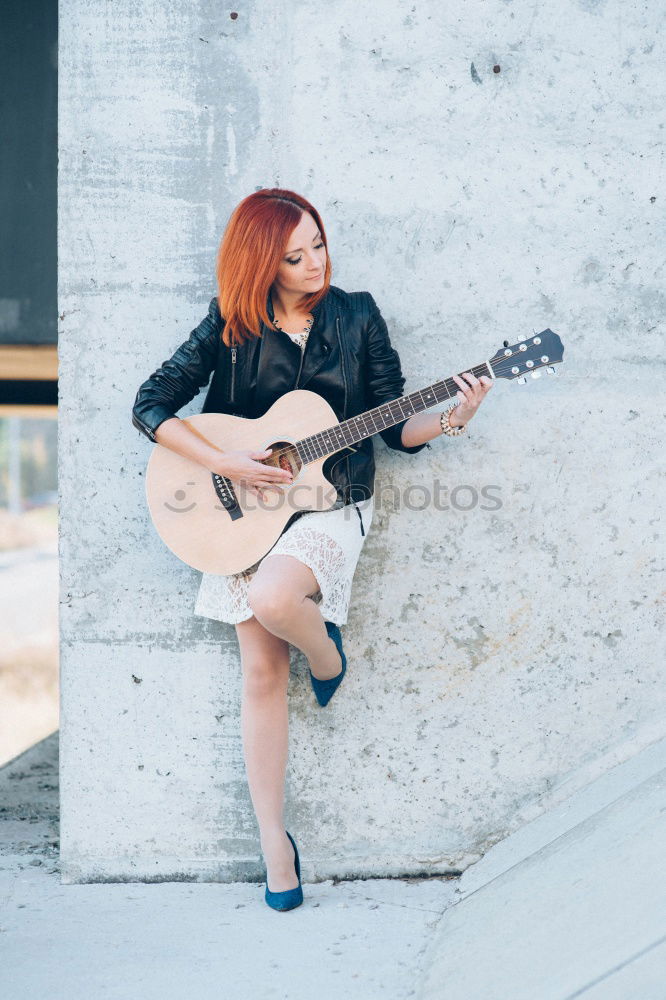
284, 456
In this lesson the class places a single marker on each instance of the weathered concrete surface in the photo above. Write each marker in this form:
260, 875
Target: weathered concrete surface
360, 939
499, 659
29, 808
572, 905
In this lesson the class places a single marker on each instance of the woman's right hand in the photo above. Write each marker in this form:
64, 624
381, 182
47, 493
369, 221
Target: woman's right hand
247, 469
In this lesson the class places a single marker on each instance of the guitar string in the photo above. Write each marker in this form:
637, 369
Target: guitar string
285, 451
502, 361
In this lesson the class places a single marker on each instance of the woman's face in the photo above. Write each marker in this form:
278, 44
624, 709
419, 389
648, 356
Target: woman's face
302, 267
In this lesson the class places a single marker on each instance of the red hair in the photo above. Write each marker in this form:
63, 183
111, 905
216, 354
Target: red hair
252, 247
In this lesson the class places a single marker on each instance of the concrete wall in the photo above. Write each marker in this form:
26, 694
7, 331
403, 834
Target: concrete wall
499, 659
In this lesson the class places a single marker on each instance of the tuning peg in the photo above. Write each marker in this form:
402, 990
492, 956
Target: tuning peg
551, 369
506, 343
536, 374
522, 379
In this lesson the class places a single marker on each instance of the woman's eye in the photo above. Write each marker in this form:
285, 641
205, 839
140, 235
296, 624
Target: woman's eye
299, 259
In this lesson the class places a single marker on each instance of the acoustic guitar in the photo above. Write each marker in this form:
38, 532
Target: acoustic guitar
215, 526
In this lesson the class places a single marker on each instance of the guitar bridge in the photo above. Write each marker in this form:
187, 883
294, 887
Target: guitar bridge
226, 494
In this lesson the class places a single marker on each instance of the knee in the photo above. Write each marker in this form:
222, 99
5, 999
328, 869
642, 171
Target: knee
262, 678
271, 604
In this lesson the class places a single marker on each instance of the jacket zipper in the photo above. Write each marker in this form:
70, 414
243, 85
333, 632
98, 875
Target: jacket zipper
344, 379
344, 382
300, 367
233, 373
148, 430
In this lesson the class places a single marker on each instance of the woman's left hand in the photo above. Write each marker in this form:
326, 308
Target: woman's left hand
469, 397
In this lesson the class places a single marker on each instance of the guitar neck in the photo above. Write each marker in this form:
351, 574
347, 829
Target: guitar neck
373, 421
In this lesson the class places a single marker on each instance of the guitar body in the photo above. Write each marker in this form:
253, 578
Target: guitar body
187, 512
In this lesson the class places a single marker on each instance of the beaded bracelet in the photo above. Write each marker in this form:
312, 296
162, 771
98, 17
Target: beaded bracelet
445, 424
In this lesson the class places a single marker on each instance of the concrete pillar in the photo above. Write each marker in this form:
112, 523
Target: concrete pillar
486, 171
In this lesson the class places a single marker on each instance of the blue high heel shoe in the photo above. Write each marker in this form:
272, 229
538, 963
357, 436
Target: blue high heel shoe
324, 690
290, 898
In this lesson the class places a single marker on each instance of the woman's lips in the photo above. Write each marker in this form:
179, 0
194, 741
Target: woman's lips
315, 276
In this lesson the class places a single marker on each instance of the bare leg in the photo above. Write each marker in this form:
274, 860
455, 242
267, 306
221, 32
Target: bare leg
264, 726
280, 597
279, 592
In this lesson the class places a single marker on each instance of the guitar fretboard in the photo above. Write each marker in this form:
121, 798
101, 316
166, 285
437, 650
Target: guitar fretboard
373, 421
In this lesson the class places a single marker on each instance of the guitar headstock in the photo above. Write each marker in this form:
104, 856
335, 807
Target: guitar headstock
542, 350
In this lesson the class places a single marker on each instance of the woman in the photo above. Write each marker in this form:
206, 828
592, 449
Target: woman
273, 276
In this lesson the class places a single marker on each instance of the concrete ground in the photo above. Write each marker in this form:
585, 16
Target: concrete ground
571, 905
190, 941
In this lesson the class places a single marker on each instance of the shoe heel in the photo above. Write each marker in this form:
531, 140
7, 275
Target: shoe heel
324, 690
289, 898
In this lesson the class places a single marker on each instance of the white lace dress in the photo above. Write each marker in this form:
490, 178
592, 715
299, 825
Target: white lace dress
328, 541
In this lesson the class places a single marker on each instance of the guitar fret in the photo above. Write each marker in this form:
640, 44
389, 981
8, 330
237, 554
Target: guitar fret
372, 417
363, 425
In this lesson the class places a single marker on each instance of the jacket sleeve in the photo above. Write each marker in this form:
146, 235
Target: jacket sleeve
181, 377
384, 378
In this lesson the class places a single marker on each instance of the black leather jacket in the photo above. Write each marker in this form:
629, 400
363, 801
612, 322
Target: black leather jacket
348, 359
